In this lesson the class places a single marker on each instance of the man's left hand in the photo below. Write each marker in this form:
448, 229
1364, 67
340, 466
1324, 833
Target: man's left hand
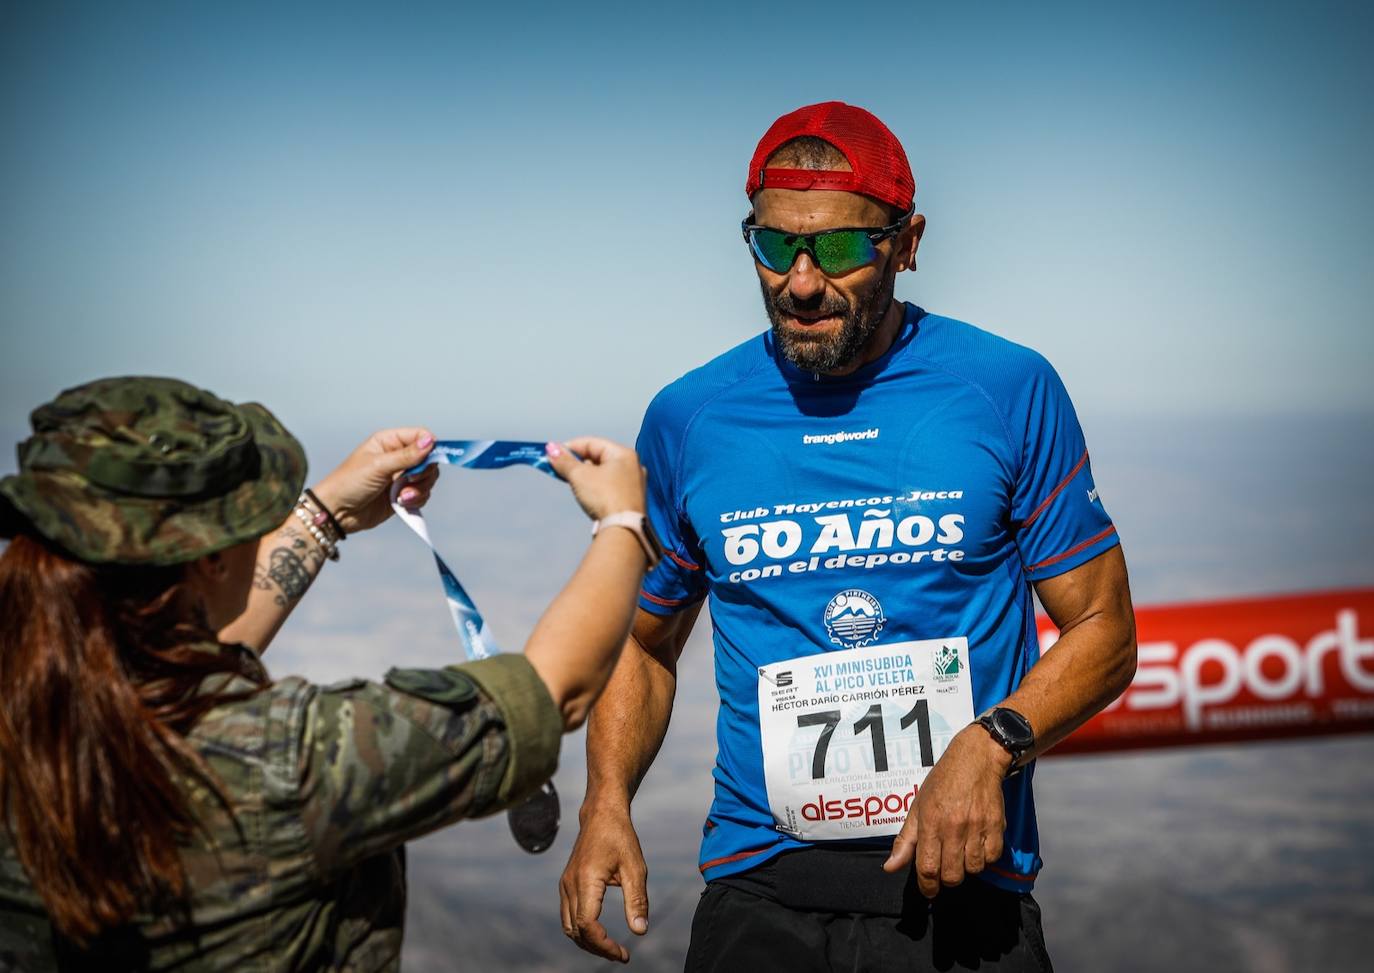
955, 827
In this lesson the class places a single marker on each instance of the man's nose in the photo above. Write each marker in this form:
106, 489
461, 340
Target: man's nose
805, 281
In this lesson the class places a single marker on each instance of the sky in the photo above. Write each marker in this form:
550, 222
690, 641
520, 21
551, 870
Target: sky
522, 222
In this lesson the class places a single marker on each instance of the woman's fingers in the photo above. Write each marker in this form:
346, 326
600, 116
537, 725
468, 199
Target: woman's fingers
357, 490
597, 449
400, 449
400, 437
605, 480
417, 489
561, 459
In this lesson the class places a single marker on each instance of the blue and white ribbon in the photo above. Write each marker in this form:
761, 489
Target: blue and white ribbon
473, 454
534, 821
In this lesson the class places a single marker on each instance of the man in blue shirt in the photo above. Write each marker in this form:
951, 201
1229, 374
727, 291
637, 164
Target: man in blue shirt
868, 493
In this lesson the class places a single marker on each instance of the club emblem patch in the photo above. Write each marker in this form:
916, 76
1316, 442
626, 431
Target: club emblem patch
853, 618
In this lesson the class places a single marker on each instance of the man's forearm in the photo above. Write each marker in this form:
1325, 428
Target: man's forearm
628, 724
1090, 665
1093, 661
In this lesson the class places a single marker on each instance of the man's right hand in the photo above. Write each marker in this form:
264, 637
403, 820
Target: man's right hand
606, 853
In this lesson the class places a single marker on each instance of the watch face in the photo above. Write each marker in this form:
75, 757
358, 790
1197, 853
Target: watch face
1014, 727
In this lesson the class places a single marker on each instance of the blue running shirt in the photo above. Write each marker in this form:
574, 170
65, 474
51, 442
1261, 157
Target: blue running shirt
937, 481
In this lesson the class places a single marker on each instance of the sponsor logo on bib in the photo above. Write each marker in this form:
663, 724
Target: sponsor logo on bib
946, 663
854, 618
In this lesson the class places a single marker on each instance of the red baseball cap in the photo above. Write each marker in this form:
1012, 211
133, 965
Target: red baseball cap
880, 165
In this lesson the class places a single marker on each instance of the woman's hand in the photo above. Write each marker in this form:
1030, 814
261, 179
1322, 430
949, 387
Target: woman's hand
608, 478
357, 493
577, 641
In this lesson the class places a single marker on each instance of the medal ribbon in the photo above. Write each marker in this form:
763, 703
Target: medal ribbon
534, 822
473, 454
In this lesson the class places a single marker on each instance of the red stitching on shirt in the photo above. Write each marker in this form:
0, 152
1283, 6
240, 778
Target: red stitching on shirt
1055, 492
1008, 873
665, 602
683, 561
1072, 551
732, 858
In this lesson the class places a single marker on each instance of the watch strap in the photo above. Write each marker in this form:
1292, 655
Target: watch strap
989, 723
637, 524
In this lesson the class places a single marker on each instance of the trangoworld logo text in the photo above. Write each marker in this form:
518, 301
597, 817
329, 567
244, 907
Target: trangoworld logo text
831, 438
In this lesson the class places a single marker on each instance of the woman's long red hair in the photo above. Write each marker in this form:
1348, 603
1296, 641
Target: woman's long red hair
98, 685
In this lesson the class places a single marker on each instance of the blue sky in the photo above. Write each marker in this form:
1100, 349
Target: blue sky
521, 222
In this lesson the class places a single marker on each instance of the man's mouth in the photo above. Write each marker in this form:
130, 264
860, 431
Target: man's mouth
806, 321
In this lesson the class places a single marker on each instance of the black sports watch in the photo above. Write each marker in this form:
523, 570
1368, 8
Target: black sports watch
1012, 731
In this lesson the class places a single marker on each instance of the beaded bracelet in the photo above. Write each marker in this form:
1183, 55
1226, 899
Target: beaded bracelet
307, 519
322, 510
321, 517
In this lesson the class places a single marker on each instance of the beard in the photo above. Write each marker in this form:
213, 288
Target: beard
814, 351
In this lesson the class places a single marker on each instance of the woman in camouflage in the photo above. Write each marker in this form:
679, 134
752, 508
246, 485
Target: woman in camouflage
165, 803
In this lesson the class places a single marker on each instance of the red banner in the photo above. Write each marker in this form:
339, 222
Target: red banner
1251, 669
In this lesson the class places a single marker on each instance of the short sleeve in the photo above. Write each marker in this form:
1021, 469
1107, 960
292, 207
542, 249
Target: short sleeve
677, 581
382, 763
1059, 518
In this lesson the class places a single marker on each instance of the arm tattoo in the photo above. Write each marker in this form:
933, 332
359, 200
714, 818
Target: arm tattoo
289, 574
301, 546
286, 568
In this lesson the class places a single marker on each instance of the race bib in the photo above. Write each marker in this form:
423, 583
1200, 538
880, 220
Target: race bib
848, 737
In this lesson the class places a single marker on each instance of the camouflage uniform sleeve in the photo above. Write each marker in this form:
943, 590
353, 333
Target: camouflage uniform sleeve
381, 764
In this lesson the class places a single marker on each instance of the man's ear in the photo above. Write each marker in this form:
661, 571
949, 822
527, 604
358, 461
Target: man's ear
908, 240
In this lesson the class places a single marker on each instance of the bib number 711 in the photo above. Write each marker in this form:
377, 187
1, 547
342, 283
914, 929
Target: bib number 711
872, 723
849, 736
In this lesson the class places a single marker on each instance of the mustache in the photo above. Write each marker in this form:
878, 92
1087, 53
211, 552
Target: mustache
824, 305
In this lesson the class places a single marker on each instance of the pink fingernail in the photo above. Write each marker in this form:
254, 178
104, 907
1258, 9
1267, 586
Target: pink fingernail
408, 496
553, 449
424, 441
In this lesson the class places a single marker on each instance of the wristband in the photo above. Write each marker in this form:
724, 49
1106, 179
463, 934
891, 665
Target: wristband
324, 515
322, 538
637, 524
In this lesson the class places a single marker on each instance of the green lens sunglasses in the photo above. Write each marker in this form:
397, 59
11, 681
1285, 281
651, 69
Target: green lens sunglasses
835, 251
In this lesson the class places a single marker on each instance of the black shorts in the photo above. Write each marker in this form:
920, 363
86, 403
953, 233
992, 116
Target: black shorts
785, 916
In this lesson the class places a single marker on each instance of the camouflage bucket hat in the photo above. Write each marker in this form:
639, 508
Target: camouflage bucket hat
151, 471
